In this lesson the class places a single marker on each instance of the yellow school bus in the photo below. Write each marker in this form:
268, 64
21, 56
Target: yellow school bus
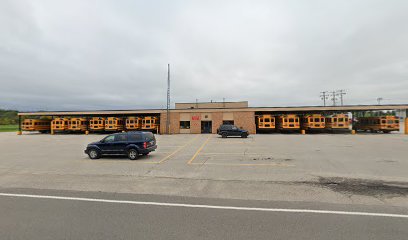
288, 122
36, 125
150, 123
383, 124
59, 124
97, 124
133, 123
266, 122
313, 122
114, 124
77, 124
337, 121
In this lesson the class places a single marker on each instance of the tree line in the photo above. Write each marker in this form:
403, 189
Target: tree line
8, 117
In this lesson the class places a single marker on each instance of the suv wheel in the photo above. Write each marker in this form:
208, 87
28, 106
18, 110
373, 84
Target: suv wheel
244, 135
133, 154
94, 154
224, 135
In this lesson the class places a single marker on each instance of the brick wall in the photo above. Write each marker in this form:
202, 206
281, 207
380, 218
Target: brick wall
245, 120
195, 125
216, 121
174, 122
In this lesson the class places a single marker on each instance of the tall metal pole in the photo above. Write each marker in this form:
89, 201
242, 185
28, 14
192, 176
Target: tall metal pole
334, 98
168, 101
341, 93
324, 97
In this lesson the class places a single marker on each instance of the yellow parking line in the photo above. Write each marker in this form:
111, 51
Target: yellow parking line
225, 153
198, 151
178, 149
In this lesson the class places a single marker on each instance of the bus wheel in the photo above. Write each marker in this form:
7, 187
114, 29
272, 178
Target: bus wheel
386, 131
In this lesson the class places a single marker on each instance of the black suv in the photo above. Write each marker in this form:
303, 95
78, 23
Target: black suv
131, 144
226, 130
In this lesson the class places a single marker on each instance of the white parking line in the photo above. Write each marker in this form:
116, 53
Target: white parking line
286, 210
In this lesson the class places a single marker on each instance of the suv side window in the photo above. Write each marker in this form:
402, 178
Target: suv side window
226, 127
149, 137
135, 137
234, 128
120, 138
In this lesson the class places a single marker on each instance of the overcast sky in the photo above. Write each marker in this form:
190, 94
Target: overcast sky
83, 54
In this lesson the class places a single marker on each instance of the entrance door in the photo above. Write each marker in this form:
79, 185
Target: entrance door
206, 126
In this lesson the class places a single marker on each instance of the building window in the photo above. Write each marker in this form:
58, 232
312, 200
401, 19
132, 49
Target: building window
184, 124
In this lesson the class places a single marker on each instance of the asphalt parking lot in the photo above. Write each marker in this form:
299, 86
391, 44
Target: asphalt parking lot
40, 160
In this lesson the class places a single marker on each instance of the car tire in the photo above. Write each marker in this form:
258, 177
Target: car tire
244, 135
224, 135
133, 154
94, 154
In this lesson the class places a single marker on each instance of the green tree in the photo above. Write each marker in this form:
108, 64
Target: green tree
8, 117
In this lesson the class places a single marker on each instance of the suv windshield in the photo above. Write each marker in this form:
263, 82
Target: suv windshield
108, 139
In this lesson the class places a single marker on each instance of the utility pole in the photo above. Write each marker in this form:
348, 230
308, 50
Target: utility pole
333, 95
323, 96
341, 93
379, 100
168, 101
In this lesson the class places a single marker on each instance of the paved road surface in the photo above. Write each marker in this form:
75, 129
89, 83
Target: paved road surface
35, 218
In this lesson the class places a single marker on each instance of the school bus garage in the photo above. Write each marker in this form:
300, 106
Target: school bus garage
206, 117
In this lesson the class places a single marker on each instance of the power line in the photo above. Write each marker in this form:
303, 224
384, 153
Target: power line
333, 96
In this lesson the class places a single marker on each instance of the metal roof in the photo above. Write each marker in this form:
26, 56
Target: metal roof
249, 109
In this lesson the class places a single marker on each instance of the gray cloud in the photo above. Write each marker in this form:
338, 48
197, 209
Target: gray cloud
69, 55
